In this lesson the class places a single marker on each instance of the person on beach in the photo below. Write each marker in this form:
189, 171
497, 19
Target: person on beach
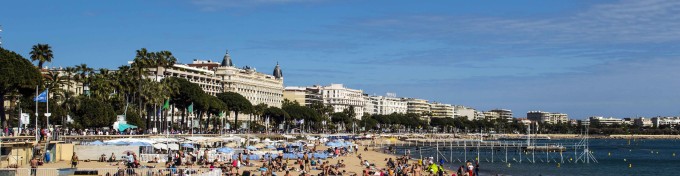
74, 160
470, 169
112, 158
34, 166
417, 171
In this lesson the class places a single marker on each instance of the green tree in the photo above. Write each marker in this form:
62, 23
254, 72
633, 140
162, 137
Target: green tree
276, 115
187, 93
235, 102
94, 113
41, 53
16, 75
258, 111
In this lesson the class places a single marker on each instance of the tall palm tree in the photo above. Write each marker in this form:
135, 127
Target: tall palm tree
139, 65
41, 53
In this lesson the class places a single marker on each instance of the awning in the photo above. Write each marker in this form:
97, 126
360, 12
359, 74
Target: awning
123, 127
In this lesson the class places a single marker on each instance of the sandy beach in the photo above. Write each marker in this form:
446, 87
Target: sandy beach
352, 162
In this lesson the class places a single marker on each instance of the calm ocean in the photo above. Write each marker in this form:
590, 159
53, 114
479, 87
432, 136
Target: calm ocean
614, 156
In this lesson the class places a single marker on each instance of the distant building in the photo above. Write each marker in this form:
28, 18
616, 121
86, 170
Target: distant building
464, 112
440, 110
489, 115
605, 121
503, 114
524, 121
215, 77
416, 106
302, 95
628, 121
665, 121
385, 105
643, 122
573, 122
547, 117
341, 98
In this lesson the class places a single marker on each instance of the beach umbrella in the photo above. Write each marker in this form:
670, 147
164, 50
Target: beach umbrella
139, 144
225, 150
97, 142
251, 148
188, 145
270, 147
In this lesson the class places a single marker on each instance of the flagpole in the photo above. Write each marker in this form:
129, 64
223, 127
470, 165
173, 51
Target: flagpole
21, 112
36, 114
47, 107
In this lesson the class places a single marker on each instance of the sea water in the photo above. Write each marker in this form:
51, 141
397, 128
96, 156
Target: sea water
614, 157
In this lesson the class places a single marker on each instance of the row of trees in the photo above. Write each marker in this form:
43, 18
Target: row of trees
133, 91
93, 97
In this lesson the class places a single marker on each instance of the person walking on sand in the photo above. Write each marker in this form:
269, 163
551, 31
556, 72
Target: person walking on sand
74, 160
34, 166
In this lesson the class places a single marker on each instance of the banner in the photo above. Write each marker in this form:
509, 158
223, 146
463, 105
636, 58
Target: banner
25, 119
42, 97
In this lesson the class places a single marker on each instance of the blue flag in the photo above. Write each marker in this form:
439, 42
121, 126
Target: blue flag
42, 97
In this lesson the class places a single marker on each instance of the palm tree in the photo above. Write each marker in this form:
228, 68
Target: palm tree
141, 61
41, 53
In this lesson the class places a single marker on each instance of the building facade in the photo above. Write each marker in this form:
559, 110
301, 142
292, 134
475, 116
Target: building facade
440, 110
503, 114
464, 112
385, 105
547, 117
665, 121
342, 98
215, 77
302, 95
416, 106
605, 121
643, 122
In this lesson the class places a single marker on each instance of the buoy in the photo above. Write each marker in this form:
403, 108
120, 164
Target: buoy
570, 159
651, 151
630, 165
624, 159
509, 164
610, 154
673, 154
558, 164
657, 152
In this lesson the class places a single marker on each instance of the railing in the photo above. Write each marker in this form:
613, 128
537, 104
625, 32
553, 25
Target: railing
111, 171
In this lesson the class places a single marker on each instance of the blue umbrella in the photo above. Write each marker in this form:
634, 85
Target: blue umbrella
251, 148
271, 147
188, 145
139, 144
225, 150
97, 143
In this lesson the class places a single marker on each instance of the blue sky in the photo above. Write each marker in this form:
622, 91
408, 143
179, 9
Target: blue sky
584, 58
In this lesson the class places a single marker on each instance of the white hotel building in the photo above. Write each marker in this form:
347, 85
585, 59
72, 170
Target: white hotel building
342, 98
215, 77
385, 105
